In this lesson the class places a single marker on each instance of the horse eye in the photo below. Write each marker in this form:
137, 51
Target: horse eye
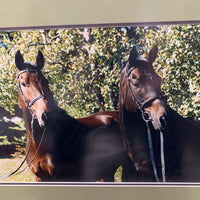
23, 84
136, 84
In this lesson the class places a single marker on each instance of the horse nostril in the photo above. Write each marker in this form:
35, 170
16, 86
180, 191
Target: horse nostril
44, 116
163, 121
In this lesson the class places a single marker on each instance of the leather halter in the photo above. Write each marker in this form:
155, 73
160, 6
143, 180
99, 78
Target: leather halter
141, 105
28, 104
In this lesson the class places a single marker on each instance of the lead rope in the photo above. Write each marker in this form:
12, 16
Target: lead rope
16, 171
161, 154
151, 152
36, 150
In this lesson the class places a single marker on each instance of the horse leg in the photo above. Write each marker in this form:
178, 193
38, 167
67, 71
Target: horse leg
129, 172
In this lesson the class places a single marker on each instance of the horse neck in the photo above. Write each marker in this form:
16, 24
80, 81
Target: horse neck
52, 104
127, 104
133, 119
133, 129
28, 117
124, 116
28, 120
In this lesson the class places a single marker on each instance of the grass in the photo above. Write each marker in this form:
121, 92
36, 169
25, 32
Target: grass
118, 175
8, 165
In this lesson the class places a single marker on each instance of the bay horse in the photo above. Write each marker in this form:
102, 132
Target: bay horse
60, 147
161, 145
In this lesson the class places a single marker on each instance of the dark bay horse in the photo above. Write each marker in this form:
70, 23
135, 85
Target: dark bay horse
59, 147
157, 139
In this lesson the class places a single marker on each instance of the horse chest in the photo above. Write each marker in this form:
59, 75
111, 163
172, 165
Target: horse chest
42, 166
138, 138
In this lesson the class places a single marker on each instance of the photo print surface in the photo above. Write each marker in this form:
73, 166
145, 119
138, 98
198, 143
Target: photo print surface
100, 104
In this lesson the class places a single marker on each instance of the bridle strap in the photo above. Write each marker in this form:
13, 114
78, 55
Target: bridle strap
127, 74
152, 154
34, 154
162, 156
21, 72
151, 151
35, 99
139, 103
151, 99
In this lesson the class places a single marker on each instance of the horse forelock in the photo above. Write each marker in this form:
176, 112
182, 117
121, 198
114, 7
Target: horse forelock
31, 67
138, 63
142, 59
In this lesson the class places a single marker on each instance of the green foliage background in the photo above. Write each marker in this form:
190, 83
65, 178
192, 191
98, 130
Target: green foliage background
83, 65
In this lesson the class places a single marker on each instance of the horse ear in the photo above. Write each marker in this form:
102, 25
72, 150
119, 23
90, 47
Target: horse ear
19, 61
152, 54
133, 56
40, 60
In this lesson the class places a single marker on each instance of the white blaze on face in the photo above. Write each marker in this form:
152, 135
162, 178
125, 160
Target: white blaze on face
157, 111
40, 108
40, 120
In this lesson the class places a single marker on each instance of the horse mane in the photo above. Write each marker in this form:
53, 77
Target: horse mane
48, 93
126, 142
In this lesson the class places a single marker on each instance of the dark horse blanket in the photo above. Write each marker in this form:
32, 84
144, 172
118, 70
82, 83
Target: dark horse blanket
181, 149
80, 153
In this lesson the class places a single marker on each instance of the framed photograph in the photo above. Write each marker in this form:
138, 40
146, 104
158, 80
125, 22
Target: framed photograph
106, 106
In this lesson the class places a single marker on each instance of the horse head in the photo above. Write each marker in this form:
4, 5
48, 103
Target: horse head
141, 88
32, 87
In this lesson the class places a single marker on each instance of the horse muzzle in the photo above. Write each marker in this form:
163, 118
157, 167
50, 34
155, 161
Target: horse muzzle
156, 114
163, 122
42, 119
